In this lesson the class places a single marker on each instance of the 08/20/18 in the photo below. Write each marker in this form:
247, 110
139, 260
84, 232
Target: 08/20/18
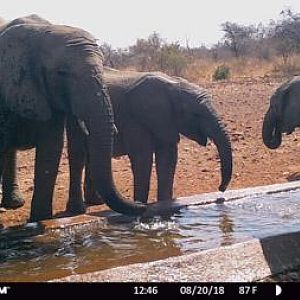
202, 290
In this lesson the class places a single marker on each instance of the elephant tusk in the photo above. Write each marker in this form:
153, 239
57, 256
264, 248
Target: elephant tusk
83, 127
116, 131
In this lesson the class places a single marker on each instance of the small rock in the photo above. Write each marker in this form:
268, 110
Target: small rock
220, 200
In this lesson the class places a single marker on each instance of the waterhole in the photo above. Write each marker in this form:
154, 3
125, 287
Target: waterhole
96, 247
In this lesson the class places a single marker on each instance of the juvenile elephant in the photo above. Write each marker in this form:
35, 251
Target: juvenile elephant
151, 110
50, 73
283, 115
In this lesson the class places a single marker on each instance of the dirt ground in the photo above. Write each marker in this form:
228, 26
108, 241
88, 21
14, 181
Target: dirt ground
241, 104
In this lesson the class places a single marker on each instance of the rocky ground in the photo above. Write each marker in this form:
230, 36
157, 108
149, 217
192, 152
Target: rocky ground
241, 104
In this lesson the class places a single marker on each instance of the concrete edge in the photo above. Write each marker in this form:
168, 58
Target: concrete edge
159, 208
248, 261
230, 195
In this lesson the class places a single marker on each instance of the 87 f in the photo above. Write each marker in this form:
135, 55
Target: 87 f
246, 290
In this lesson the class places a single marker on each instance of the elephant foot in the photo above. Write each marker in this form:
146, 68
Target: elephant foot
94, 202
37, 217
75, 208
166, 199
144, 202
93, 199
14, 201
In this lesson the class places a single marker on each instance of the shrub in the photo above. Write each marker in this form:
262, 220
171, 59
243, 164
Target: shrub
222, 72
172, 60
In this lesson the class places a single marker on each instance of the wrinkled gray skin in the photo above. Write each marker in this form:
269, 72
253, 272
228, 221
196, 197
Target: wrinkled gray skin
283, 115
151, 111
30, 19
11, 195
50, 73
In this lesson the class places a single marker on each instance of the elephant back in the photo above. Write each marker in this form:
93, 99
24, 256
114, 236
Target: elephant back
29, 20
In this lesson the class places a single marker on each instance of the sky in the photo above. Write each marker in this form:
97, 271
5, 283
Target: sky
121, 22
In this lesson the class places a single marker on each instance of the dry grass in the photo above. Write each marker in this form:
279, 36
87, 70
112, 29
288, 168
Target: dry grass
202, 70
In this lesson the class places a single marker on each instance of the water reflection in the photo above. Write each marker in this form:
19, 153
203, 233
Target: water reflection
123, 241
68, 252
226, 225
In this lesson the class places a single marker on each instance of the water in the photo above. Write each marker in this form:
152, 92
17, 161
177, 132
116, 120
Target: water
90, 248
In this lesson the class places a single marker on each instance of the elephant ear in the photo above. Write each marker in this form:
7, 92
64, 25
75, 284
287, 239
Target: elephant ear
22, 81
279, 97
150, 104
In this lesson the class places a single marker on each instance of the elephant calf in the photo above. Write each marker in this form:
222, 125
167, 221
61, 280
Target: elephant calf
283, 115
151, 110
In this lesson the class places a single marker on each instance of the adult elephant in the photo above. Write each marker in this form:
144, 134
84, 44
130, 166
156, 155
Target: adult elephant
151, 111
48, 73
283, 115
11, 195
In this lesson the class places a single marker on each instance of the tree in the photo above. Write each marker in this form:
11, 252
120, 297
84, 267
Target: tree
172, 59
286, 34
147, 52
237, 37
108, 54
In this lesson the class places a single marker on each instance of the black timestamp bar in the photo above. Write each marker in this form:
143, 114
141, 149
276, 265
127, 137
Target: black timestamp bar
158, 290
205, 290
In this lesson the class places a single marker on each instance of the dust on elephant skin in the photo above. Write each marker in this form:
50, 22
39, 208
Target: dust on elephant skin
50, 73
151, 111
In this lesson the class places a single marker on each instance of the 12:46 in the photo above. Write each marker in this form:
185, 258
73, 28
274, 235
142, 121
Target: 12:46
145, 290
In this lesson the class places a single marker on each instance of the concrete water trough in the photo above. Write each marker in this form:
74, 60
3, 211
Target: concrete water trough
241, 235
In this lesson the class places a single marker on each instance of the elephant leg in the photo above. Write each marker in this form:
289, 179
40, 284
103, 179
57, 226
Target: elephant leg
48, 153
76, 152
90, 195
1, 166
140, 151
1, 169
141, 164
166, 160
11, 198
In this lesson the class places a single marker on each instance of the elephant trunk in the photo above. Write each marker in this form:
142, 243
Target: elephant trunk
100, 126
270, 131
217, 133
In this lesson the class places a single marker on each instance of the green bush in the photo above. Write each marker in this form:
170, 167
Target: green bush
222, 72
172, 60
